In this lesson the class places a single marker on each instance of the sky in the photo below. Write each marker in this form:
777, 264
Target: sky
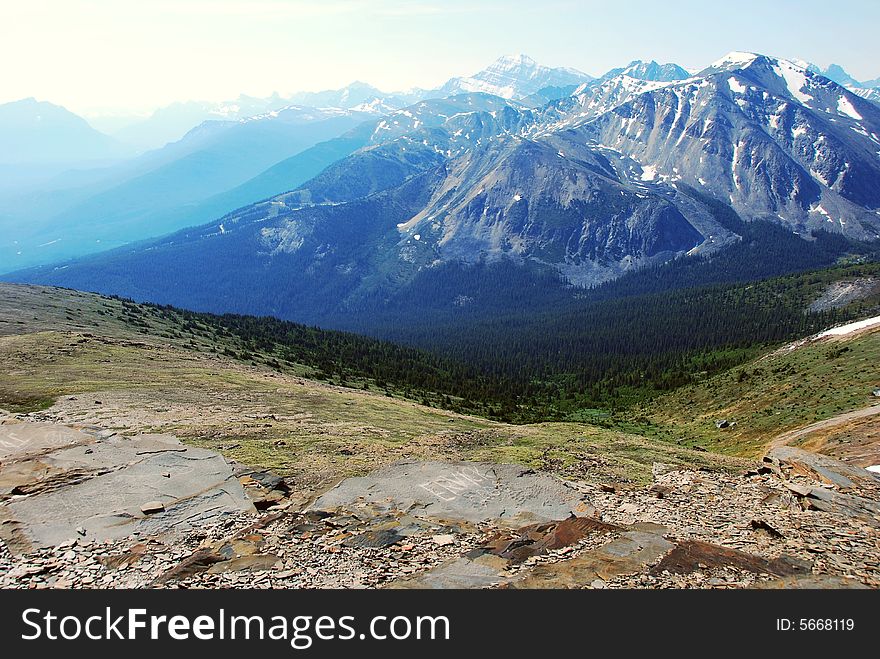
120, 56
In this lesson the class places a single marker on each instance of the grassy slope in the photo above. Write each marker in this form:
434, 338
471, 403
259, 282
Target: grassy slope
772, 394
83, 359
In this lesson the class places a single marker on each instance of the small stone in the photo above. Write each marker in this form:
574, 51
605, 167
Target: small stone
800, 490
152, 507
660, 491
443, 540
81, 530
598, 584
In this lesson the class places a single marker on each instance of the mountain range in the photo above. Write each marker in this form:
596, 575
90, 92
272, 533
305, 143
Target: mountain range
64, 206
512, 76
647, 165
160, 191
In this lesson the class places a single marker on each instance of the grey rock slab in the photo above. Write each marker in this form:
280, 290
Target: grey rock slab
458, 573
194, 486
469, 491
382, 538
114, 450
844, 504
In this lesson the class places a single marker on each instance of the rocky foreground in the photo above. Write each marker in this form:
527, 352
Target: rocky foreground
87, 508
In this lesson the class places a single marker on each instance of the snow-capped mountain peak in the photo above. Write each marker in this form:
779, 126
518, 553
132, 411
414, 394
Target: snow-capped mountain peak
512, 61
515, 77
735, 59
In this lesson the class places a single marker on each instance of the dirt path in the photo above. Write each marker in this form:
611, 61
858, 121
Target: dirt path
788, 437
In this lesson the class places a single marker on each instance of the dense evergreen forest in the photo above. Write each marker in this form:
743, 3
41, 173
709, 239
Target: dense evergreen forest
594, 353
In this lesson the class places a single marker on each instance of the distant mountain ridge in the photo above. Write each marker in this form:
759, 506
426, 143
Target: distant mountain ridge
651, 71
33, 131
514, 77
161, 191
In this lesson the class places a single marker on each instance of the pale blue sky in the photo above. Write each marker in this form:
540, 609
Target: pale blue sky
140, 54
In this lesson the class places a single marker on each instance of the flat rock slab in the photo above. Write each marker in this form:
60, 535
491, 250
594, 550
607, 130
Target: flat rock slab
19, 441
468, 491
849, 505
459, 573
111, 487
812, 582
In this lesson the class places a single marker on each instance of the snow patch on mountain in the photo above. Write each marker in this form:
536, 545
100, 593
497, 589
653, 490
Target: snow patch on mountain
795, 79
736, 86
845, 106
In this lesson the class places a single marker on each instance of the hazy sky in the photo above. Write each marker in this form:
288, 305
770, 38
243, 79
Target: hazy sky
91, 55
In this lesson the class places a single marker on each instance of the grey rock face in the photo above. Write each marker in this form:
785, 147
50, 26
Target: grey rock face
473, 492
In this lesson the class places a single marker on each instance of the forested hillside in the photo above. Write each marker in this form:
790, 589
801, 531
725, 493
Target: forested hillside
598, 353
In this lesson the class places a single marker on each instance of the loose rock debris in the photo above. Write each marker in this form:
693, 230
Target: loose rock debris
797, 521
